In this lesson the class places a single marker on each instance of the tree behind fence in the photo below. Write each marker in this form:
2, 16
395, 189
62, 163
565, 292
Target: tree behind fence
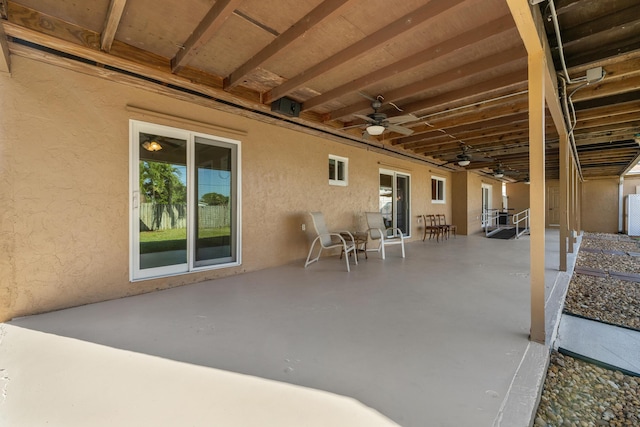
155, 217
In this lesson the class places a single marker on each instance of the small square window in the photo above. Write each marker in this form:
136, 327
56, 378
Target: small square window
338, 170
438, 189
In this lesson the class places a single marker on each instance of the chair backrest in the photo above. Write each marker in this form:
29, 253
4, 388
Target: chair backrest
441, 219
375, 221
433, 222
321, 228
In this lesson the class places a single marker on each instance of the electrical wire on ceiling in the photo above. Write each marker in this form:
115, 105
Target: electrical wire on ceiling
567, 103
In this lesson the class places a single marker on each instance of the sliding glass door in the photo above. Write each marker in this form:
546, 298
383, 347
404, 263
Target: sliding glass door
185, 201
395, 201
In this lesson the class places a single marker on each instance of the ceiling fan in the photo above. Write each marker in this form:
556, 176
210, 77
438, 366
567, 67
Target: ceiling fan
377, 122
465, 157
500, 172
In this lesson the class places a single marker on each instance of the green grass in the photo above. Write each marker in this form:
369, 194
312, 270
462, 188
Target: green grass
181, 234
175, 238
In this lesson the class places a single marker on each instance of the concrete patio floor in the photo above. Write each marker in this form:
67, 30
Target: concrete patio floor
439, 338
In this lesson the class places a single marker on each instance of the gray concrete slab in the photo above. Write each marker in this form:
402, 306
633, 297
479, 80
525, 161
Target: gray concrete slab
612, 345
434, 339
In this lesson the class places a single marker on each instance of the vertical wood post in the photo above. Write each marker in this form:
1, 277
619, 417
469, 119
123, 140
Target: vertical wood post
537, 69
564, 199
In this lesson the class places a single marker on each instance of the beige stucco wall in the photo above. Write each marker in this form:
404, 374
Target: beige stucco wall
64, 165
518, 196
600, 203
629, 185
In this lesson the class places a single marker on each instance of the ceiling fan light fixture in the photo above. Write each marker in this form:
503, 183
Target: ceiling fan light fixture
375, 130
498, 175
151, 146
464, 162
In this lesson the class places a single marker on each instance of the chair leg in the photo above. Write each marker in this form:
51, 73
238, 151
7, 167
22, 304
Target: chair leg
311, 251
402, 244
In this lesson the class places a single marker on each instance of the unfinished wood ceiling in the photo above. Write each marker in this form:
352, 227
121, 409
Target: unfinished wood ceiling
455, 70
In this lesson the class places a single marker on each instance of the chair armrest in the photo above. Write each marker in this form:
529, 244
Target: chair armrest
341, 233
399, 232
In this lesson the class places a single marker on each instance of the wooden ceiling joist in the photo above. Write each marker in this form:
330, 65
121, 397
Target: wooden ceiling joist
429, 11
497, 26
323, 11
210, 24
114, 14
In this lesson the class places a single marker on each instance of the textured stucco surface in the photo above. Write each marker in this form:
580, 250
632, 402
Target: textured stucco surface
64, 163
600, 201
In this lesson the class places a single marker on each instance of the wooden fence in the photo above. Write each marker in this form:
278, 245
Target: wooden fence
155, 217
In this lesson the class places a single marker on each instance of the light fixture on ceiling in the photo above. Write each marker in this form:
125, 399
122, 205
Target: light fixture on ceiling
464, 162
498, 174
375, 130
152, 146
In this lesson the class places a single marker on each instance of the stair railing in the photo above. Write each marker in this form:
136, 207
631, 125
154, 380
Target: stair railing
521, 221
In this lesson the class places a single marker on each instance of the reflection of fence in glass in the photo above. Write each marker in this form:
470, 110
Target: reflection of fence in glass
154, 217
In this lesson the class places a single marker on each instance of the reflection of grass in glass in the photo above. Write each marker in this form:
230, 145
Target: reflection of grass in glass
175, 238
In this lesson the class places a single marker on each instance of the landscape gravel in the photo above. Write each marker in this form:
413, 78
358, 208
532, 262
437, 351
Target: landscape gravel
581, 394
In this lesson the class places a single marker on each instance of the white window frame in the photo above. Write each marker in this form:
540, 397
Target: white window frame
335, 179
137, 274
439, 198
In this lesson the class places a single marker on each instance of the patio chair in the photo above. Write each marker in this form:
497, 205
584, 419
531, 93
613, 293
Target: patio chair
432, 227
378, 231
330, 240
448, 228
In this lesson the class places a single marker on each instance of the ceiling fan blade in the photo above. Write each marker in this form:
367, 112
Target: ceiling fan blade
353, 126
400, 129
363, 117
402, 119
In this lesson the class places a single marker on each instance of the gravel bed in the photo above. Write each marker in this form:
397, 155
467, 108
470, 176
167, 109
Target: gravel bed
581, 394
606, 262
604, 299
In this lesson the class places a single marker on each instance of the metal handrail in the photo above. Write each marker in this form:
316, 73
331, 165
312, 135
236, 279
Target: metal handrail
517, 220
491, 221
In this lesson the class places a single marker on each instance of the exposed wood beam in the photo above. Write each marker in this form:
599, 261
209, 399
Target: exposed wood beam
469, 127
83, 43
607, 101
588, 56
479, 114
618, 119
431, 82
429, 11
324, 10
608, 88
627, 18
465, 39
5, 60
609, 110
633, 125
500, 85
210, 24
114, 14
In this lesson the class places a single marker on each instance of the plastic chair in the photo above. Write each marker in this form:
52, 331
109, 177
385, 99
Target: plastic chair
378, 231
330, 240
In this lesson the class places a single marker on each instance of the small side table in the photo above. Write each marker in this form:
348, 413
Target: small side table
360, 239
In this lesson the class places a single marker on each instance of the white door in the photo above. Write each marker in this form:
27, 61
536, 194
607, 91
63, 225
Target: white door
487, 191
553, 202
395, 200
